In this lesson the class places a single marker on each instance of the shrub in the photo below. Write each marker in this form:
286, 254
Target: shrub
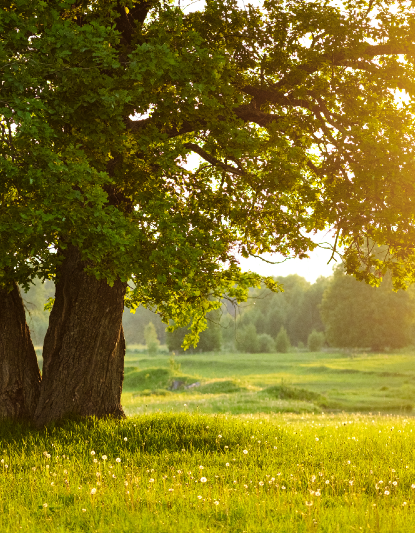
266, 343
247, 339
282, 342
152, 342
315, 341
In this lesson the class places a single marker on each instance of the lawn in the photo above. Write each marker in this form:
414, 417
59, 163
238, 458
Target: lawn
248, 383
197, 473
261, 444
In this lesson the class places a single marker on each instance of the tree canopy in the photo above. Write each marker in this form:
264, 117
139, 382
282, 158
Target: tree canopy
291, 108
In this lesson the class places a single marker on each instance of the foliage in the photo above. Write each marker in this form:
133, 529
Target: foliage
358, 315
296, 308
210, 339
276, 486
266, 343
282, 341
290, 106
247, 339
315, 341
150, 336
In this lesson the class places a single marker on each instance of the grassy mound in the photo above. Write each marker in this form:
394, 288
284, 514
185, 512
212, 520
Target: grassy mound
220, 387
151, 380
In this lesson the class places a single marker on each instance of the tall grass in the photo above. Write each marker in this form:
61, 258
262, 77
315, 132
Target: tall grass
190, 472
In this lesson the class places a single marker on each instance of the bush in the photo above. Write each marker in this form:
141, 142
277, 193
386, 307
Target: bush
266, 343
282, 342
152, 342
315, 341
247, 339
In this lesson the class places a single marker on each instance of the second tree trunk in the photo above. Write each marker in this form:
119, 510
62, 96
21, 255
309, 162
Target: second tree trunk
84, 347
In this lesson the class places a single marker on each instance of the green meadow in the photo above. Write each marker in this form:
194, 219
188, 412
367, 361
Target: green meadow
284, 443
269, 383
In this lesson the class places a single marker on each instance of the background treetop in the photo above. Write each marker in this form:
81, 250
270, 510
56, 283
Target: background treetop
290, 107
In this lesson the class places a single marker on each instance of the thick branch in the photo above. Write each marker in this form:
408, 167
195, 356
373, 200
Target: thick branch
212, 160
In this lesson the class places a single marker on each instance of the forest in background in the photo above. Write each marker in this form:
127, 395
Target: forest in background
336, 311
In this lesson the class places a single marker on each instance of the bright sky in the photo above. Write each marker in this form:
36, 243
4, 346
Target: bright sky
310, 269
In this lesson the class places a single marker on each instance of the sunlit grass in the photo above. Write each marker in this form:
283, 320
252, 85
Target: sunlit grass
191, 472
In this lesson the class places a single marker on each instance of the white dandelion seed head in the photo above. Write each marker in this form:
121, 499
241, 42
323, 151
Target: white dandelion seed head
118, 460
92, 452
203, 480
245, 452
93, 491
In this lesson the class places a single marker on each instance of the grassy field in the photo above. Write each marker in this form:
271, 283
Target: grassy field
261, 444
269, 383
203, 473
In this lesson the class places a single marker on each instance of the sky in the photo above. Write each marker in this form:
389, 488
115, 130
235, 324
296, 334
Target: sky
310, 269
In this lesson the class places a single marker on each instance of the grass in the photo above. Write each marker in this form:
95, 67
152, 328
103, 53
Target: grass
243, 383
258, 446
276, 473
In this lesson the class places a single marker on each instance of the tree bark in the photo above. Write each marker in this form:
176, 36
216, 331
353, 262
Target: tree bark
19, 371
84, 347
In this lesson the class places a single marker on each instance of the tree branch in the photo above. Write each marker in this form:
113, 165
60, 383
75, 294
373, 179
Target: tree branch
212, 160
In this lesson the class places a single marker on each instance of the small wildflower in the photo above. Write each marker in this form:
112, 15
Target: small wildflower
317, 439
216, 502
261, 483
351, 482
84, 510
227, 464
327, 481
125, 438
386, 493
118, 460
104, 457
203, 480
395, 483
34, 468
2, 461
413, 486
199, 497
45, 505
309, 504
318, 493
93, 491
404, 503
246, 486
151, 480
126, 483
201, 467
219, 436
283, 488
95, 460
92, 453
245, 452
171, 490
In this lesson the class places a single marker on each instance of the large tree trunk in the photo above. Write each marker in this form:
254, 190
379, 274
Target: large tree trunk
19, 371
83, 352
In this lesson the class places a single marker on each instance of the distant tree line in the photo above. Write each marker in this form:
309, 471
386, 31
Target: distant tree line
335, 312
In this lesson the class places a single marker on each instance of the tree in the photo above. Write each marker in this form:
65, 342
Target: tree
210, 339
282, 341
291, 109
315, 341
357, 315
152, 342
247, 339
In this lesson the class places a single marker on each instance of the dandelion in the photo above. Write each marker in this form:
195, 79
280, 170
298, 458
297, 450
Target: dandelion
7, 466
126, 483
246, 486
228, 447
151, 480
93, 491
171, 490
199, 497
104, 457
125, 438
413, 486
404, 503
95, 460
118, 460
380, 481
309, 504
179, 471
203, 480
386, 493
327, 481
283, 488
92, 453
261, 483
275, 447
395, 483
317, 439
318, 493
84, 510
245, 452
313, 478
52, 484
2, 461
219, 436
227, 464
351, 482
201, 467
45, 505
216, 502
